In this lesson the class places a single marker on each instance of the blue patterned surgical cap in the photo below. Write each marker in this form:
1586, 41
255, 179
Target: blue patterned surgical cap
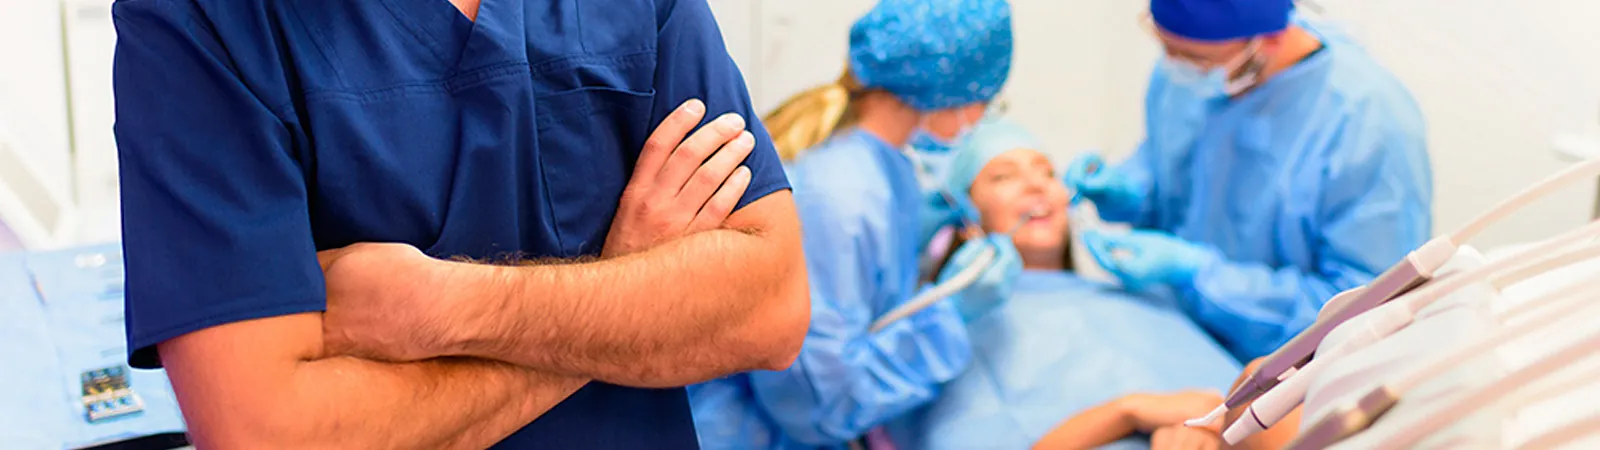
934, 54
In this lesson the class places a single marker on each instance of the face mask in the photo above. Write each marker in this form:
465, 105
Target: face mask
1215, 82
925, 141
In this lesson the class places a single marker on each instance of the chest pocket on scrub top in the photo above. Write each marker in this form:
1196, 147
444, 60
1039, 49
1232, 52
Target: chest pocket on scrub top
593, 66
589, 138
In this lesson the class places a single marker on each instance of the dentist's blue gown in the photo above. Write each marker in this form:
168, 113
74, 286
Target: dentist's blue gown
1310, 184
857, 198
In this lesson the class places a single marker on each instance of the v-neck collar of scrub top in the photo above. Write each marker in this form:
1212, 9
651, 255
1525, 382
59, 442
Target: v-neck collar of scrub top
461, 43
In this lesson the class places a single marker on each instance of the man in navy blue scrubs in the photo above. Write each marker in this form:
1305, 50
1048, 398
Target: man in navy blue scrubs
615, 255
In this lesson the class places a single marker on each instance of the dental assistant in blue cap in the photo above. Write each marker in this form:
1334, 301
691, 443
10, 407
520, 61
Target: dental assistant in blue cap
1281, 166
443, 224
914, 65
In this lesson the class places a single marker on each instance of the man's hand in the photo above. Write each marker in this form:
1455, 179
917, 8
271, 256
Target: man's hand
675, 189
1149, 412
1179, 437
380, 305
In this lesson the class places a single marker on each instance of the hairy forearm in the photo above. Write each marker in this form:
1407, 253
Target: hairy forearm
442, 403
692, 309
1093, 428
345, 402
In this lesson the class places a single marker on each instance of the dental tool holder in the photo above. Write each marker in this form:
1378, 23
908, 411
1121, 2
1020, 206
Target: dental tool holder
1525, 416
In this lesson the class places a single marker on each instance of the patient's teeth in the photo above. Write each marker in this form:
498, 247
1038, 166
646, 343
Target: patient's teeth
1040, 211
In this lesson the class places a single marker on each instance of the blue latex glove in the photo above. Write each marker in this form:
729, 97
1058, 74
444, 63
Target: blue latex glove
1141, 258
1089, 177
994, 285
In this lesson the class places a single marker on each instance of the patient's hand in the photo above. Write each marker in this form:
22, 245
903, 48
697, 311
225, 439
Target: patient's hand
1151, 412
1158, 413
1179, 437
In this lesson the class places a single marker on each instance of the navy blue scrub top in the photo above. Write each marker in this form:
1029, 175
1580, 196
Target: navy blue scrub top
254, 133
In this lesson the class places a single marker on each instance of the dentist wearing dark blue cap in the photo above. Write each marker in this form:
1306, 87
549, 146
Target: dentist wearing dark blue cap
1281, 166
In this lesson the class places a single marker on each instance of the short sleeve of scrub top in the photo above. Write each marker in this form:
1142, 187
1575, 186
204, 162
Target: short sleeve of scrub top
216, 227
694, 63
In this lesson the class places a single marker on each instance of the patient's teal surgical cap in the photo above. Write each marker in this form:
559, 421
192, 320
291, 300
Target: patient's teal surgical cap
934, 54
989, 139
1221, 20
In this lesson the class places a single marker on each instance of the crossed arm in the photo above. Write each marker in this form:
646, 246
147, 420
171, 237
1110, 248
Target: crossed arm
681, 297
708, 304
622, 319
616, 319
611, 319
704, 305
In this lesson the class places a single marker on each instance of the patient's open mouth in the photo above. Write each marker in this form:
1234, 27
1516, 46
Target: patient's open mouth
1039, 214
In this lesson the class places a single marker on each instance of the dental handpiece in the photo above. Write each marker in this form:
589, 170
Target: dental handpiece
1415, 269
1277, 402
961, 280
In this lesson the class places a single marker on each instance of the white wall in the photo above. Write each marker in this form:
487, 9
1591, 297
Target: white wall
36, 169
91, 42
1497, 80
33, 87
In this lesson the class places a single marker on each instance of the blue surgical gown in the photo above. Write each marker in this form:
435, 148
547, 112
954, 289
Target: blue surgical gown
856, 196
1310, 184
1059, 346
253, 133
